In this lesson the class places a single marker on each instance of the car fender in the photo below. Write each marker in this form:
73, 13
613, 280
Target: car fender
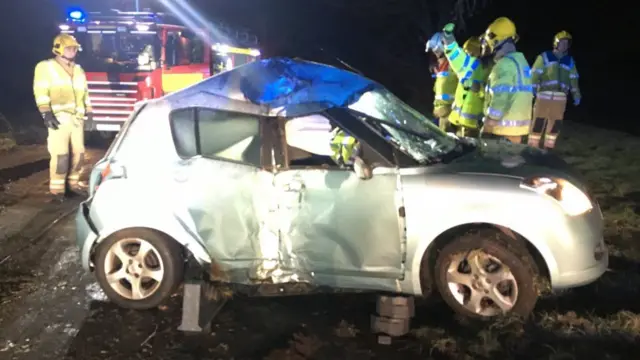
143, 210
504, 216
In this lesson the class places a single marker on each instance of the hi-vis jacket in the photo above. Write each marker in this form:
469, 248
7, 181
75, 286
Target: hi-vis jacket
58, 91
344, 147
558, 75
469, 99
443, 89
509, 96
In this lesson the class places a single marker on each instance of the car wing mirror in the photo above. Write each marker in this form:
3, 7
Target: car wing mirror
362, 169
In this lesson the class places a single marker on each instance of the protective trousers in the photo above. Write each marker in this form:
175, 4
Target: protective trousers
548, 113
64, 168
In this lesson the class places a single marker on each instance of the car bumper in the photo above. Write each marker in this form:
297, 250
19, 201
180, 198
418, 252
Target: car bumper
581, 254
86, 234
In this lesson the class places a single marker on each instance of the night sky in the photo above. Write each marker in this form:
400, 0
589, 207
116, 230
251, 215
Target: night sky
384, 41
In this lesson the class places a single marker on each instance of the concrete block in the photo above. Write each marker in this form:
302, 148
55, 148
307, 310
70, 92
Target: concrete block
384, 340
396, 306
390, 326
197, 310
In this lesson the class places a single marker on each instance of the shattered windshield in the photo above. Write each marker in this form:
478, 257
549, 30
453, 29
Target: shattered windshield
101, 51
382, 105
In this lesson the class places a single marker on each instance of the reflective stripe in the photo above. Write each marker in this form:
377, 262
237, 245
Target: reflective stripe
454, 55
510, 89
43, 100
508, 123
475, 64
466, 62
551, 95
442, 74
495, 113
574, 76
458, 110
539, 71
567, 67
444, 97
74, 177
56, 108
43, 84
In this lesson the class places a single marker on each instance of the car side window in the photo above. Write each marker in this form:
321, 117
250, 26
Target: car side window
217, 134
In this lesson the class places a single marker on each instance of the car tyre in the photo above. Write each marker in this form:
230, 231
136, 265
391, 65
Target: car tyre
156, 274
515, 266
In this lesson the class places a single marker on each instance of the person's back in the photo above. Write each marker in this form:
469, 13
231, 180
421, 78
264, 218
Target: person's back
509, 93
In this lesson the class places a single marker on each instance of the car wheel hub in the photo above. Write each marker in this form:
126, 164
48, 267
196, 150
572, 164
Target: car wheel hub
481, 283
134, 268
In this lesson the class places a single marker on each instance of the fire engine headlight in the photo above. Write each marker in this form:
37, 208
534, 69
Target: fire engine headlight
572, 200
144, 59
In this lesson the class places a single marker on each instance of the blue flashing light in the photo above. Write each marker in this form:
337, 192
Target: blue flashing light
76, 14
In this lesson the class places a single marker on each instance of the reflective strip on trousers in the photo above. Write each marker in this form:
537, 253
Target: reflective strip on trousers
507, 123
549, 95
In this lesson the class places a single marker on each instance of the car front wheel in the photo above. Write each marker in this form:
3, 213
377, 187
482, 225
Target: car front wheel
481, 275
139, 269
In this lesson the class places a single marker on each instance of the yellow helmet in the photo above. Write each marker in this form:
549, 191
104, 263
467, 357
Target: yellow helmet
500, 30
562, 35
62, 42
473, 46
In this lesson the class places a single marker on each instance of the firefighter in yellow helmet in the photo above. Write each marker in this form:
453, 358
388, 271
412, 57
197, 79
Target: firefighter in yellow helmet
61, 94
509, 92
444, 87
472, 68
554, 75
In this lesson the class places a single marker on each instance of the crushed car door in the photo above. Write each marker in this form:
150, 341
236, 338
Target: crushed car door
333, 222
222, 187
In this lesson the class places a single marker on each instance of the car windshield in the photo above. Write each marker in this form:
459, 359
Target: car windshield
421, 138
101, 51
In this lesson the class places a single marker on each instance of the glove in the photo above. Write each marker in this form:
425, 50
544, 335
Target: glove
576, 102
448, 29
50, 120
447, 34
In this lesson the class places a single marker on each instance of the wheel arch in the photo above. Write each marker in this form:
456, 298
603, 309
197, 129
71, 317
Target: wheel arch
188, 244
428, 260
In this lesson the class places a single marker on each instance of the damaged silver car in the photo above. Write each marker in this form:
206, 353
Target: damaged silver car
236, 172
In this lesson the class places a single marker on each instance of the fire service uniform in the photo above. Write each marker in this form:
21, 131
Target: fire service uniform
554, 76
61, 94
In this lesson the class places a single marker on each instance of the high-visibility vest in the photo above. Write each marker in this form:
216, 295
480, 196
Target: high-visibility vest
468, 104
344, 147
57, 91
555, 75
444, 87
509, 96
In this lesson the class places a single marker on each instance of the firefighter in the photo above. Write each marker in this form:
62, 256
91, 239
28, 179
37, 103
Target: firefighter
61, 94
554, 75
472, 68
344, 147
509, 92
445, 85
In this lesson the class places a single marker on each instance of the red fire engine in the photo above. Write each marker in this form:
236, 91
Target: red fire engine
134, 56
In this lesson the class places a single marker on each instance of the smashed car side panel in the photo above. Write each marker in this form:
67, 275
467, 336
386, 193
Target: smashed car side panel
331, 222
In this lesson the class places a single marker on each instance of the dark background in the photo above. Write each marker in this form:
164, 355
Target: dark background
382, 38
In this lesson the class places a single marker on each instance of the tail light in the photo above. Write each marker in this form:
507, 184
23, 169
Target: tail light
111, 171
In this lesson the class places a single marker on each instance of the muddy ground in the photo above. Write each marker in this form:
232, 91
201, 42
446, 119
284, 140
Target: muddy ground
50, 309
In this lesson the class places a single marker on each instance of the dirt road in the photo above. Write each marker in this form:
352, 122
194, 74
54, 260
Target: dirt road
51, 309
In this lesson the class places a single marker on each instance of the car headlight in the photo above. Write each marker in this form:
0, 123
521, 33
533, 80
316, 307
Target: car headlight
572, 200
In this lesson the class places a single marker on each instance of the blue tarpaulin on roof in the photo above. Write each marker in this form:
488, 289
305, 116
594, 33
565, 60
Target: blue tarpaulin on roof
295, 86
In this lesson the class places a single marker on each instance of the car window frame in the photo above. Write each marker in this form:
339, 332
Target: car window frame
360, 131
264, 134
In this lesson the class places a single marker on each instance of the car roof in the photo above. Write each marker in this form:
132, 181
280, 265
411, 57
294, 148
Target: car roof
276, 87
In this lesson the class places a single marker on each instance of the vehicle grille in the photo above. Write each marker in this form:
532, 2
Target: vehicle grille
112, 101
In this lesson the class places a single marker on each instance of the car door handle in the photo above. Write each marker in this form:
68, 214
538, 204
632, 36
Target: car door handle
294, 186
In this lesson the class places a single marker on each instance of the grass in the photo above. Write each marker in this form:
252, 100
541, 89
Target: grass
600, 320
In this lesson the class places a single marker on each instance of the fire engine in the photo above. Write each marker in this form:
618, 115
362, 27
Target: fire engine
135, 56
